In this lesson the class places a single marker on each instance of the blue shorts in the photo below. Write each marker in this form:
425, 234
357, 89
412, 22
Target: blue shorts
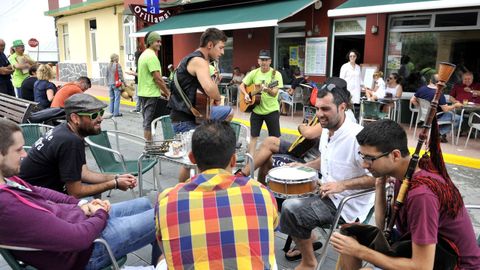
216, 113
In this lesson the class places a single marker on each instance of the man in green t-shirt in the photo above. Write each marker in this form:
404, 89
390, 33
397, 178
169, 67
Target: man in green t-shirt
152, 90
268, 108
21, 64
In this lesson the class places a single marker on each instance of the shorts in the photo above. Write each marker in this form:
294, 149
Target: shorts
301, 215
272, 120
152, 108
284, 146
216, 113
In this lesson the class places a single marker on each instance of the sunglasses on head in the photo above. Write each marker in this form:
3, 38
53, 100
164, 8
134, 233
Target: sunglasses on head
92, 115
329, 87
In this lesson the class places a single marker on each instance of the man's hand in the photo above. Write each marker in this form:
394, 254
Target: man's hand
105, 204
457, 105
294, 164
247, 98
345, 244
331, 188
92, 208
217, 102
126, 181
86, 210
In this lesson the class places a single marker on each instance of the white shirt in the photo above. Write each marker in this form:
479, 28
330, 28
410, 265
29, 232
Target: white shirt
352, 75
392, 90
340, 161
380, 93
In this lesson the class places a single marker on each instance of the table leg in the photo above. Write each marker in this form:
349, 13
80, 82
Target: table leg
460, 125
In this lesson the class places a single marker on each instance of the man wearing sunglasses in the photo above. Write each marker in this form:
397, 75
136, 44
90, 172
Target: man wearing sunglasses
57, 160
342, 174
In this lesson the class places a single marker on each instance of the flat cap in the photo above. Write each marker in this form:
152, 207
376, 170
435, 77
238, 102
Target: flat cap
83, 103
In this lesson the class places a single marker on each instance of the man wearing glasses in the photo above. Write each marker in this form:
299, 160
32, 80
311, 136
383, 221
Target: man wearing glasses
342, 175
57, 160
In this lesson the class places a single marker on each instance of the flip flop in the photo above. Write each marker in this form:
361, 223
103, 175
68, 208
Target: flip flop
316, 246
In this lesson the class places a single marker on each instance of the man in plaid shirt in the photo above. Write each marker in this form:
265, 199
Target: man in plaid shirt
217, 220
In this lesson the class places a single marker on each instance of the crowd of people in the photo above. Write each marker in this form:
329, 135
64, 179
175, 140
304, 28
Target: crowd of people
218, 219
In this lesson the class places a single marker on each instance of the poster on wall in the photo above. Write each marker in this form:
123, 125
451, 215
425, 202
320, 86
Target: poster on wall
316, 56
293, 56
393, 61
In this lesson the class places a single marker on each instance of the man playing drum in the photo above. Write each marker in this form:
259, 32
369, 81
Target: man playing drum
342, 174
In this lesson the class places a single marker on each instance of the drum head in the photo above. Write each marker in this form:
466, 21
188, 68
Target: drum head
292, 174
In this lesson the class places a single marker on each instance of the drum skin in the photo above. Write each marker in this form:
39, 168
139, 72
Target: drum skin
292, 182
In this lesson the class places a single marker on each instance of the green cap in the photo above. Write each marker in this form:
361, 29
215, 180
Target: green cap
17, 43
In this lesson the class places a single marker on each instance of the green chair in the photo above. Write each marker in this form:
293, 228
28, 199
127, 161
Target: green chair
112, 161
32, 132
166, 125
19, 265
371, 111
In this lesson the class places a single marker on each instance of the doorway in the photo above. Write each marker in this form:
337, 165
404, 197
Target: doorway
343, 44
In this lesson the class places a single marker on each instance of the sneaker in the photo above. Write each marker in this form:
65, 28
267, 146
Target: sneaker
443, 138
135, 111
239, 173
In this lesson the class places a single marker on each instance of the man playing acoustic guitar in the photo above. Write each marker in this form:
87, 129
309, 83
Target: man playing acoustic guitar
268, 108
192, 74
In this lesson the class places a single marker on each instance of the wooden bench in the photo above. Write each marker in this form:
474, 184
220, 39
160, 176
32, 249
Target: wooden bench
16, 109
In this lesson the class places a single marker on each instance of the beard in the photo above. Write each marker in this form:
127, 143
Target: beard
86, 131
8, 171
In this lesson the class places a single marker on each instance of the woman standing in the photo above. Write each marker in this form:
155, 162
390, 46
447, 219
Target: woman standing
115, 80
351, 73
43, 89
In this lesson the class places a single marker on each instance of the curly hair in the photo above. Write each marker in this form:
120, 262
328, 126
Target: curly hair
44, 72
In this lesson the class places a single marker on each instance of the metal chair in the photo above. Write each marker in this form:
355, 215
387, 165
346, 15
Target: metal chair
414, 110
32, 132
297, 98
472, 126
344, 201
371, 111
5, 251
166, 125
112, 161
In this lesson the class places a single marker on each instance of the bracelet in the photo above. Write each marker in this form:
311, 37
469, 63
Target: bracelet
116, 181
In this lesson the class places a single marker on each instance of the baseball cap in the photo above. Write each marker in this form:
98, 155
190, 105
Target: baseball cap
83, 103
264, 54
17, 43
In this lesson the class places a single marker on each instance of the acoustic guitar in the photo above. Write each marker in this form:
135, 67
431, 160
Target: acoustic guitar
203, 104
301, 145
253, 91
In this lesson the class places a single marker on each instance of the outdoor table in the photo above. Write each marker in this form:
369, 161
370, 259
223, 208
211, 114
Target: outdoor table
468, 108
397, 109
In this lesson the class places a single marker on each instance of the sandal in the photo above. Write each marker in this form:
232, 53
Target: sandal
316, 246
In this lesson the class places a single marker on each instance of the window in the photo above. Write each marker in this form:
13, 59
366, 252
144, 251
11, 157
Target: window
289, 48
66, 42
456, 19
130, 44
93, 39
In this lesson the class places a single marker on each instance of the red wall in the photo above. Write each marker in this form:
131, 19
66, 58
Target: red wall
184, 44
245, 51
375, 44
52, 4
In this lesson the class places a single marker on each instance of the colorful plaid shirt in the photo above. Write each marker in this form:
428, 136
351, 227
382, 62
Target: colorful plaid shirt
217, 221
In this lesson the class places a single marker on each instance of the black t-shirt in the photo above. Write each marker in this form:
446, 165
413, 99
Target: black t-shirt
4, 63
297, 81
54, 159
27, 88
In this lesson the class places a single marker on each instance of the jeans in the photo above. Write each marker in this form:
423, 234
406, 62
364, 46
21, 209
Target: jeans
114, 100
130, 226
180, 127
444, 129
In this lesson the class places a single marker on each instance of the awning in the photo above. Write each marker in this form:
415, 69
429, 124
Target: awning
228, 18
363, 7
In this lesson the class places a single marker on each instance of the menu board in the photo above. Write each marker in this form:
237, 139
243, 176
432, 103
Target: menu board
316, 56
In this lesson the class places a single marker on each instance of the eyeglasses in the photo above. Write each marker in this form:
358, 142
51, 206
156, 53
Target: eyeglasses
92, 115
369, 159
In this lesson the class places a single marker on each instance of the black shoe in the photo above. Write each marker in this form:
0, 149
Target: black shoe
443, 138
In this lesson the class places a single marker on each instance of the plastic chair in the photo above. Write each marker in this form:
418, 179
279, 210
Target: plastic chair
32, 132
472, 125
112, 161
19, 265
371, 111
297, 98
422, 115
167, 128
414, 110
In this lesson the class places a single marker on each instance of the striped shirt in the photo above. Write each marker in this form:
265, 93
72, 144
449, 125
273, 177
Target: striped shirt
217, 221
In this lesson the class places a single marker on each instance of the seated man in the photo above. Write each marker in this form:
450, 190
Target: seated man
288, 95
57, 160
217, 220
342, 175
79, 86
428, 214
427, 92
234, 83
467, 91
61, 226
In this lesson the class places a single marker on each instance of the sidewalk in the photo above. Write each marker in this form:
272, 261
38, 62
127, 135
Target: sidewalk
453, 154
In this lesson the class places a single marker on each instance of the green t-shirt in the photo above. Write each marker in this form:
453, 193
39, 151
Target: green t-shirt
268, 103
18, 75
147, 63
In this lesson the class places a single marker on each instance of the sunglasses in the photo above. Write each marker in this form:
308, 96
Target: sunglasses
329, 87
370, 159
92, 115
